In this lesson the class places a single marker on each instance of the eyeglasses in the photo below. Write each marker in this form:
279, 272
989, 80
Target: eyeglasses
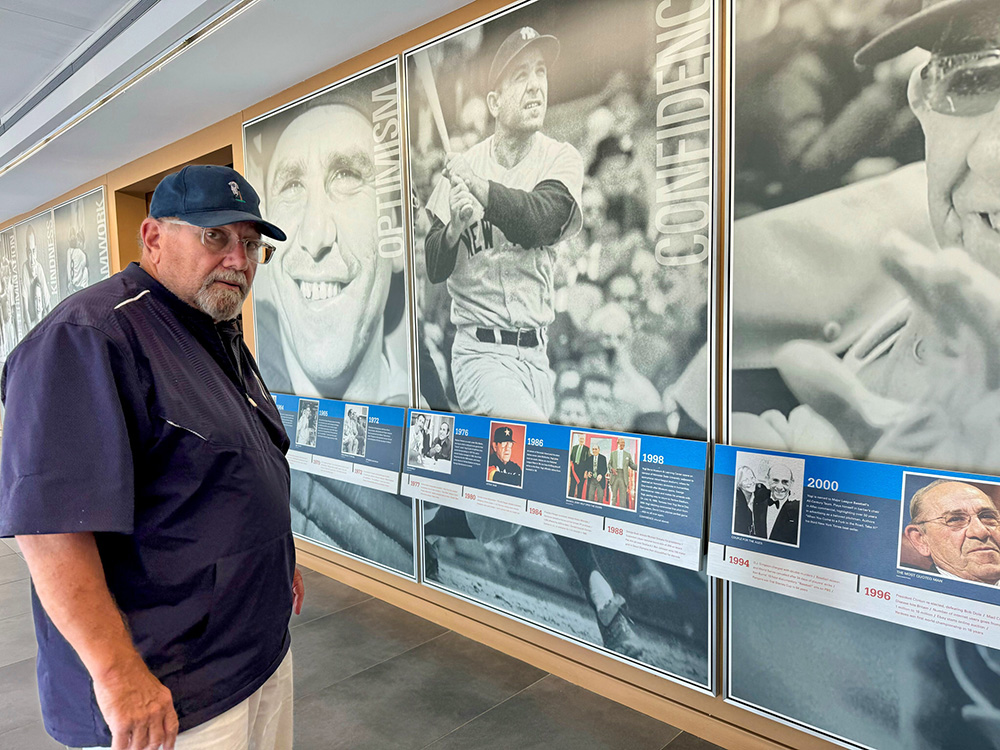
218, 240
963, 85
959, 519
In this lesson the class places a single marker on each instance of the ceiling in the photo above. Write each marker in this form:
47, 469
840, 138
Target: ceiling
40, 36
246, 51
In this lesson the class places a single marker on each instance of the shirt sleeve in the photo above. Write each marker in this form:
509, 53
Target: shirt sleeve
66, 463
531, 219
439, 256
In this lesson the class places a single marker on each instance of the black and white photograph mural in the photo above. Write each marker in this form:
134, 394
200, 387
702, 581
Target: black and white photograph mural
561, 177
330, 307
561, 173
864, 309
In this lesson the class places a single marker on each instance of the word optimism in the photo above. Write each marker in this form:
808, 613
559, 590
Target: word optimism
683, 132
388, 179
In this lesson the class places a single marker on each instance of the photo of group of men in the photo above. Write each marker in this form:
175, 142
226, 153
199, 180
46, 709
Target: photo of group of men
48, 257
865, 307
603, 469
430, 442
330, 308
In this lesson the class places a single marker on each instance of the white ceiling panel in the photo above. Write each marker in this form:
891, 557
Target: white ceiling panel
31, 48
89, 15
293, 40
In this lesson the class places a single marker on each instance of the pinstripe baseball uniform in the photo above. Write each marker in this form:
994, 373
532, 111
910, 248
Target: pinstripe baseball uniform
501, 280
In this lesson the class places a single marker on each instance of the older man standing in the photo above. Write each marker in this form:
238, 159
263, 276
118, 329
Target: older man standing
144, 475
621, 466
956, 525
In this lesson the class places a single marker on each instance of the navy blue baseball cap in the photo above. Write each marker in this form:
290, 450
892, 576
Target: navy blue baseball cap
208, 195
503, 434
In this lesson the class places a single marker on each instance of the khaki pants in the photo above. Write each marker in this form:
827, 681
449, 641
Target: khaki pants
261, 722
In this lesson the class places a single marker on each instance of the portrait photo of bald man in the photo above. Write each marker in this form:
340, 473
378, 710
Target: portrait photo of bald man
953, 530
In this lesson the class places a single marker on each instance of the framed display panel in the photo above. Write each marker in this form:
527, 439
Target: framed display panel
35, 253
643, 495
649, 614
10, 293
574, 140
330, 309
856, 310
81, 242
48, 257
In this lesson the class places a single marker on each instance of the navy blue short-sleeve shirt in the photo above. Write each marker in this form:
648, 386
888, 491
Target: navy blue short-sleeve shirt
126, 416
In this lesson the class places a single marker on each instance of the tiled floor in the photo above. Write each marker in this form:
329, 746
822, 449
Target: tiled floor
369, 675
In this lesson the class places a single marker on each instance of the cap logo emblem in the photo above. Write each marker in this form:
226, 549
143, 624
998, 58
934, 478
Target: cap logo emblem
236, 191
506, 432
528, 33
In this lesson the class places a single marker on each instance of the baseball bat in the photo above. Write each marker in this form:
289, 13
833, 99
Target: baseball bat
426, 77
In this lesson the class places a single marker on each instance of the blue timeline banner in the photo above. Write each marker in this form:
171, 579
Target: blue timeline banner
356, 443
640, 494
913, 546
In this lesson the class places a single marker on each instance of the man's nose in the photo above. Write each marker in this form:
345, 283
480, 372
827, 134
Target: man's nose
319, 228
984, 156
977, 528
236, 258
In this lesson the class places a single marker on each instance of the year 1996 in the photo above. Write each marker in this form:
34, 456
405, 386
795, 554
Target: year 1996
878, 593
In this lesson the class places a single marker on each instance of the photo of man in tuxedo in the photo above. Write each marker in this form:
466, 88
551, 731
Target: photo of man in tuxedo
775, 511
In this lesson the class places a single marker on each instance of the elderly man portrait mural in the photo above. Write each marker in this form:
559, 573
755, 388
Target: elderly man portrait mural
561, 175
330, 308
865, 318
954, 530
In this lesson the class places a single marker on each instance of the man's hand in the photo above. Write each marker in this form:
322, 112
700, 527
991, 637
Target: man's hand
457, 169
465, 211
139, 710
298, 592
69, 578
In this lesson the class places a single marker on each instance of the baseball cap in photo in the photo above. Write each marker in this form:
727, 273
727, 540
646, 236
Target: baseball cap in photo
503, 434
517, 41
208, 195
941, 26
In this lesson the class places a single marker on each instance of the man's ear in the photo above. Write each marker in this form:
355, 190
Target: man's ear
916, 537
151, 234
491, 104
